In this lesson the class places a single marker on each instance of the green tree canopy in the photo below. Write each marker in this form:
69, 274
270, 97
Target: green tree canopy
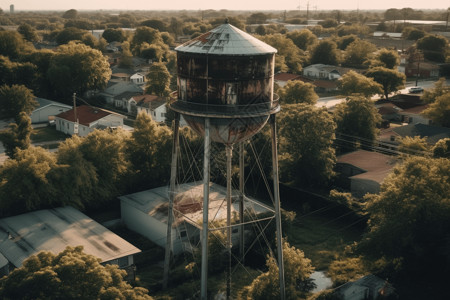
70, 34
17, 137
440, 88
149, 152
71, 274
158, 80
356, 120
78, 68
144, 34
414, 146
289, 57
303, 39
114, 35
155, 24
306, 135
325, 52
298, 270
12, 44
358, 52
354, 83
28, 32
434, 47
390, 80
70, 14
409, 221
386, 58
298, 92
442, 148
16, 99
439, 110
344, 41
25, 181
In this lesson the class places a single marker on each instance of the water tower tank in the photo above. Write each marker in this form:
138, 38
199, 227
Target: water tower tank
226, 75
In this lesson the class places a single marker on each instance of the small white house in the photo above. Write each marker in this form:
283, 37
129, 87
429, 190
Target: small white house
125, 101
117, 88
86, 119
138, 78
322, 71
152, 105
146, 213
47, 110
53, 230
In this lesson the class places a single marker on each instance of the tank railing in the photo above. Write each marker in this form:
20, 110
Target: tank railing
225, 109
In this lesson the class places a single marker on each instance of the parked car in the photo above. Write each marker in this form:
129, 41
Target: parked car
416, 89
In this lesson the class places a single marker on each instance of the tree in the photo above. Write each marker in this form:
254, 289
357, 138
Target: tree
346, 40
12, 44
126, 58
298, 92
442, 148
386, 58
440, 88
414, 146
158, 80
358, 52
70, 14
303, 39
355, 83
298, 270
155, 24
412, 33
325, 53
70, 34
257, 18
357, 121
18, 135
390, 80
433, 47
289, 57
306, 137
144, 34
78, 68
148, 151
439, 110
16, 99
28, 32
409, 224
25, 183
114, 35
71, 274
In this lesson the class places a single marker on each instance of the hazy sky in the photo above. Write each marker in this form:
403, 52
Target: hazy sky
228, 4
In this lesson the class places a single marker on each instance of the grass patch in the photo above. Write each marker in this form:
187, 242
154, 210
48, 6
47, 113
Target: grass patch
322, 239
47, 134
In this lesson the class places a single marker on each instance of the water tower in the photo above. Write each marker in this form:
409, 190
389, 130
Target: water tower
225, 93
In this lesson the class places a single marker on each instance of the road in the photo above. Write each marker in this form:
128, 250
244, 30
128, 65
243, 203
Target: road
330, 102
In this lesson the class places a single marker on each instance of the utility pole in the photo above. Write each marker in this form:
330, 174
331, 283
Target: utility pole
75, 124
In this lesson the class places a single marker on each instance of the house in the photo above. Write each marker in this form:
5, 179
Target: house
422, 69
325, 85
138, 78
85, 119
383, 34
146, 213
389, 111
46, 110
152, 105
125, 100
117, 88
282, 78
114, 47
432, 133
53, 230
414, 115
364, 170
369, 287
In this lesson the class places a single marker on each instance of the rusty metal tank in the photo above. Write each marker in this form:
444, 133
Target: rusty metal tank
226, 75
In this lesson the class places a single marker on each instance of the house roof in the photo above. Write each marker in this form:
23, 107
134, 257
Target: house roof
120, 87
149, 101
126, 95
376, 165
188, 203
53, 230
45, 102
416, 110
226, 40
85, 114
433, 133
285, 76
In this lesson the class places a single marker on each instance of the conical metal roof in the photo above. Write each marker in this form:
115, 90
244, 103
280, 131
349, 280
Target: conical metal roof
226, 40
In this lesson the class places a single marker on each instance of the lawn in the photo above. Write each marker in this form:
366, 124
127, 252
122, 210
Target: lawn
47, 135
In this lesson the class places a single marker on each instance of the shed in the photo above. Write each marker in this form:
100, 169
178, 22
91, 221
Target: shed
146, 213
54, 229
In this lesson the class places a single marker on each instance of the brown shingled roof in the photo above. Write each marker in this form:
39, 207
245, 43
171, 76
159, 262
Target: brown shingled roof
85, 114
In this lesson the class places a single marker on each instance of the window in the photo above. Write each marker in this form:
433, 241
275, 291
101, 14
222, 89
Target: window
183, 234
163, 115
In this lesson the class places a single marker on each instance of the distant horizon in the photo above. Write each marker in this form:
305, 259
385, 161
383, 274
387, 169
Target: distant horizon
231, 5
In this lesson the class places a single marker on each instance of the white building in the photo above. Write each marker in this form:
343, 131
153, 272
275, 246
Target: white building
322, 71
146, 213
53, 230
47, 110
86, 119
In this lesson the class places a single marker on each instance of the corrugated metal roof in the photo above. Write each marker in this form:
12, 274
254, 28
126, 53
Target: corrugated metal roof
53, 230
188, 202
226, 40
